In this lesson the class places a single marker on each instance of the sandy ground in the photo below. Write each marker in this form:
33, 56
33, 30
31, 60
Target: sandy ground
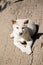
9, 54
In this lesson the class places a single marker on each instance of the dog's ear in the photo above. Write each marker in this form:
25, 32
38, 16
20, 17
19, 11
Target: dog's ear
13, 21
26, 22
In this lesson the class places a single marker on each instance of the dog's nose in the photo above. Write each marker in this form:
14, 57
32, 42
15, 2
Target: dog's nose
20, 33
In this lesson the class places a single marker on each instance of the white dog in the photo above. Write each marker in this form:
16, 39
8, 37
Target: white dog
23, 29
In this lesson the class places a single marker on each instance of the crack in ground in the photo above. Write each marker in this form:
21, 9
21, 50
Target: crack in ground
32, 57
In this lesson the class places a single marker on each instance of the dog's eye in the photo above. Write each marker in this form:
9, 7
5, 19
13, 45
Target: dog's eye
26, 22
17, 27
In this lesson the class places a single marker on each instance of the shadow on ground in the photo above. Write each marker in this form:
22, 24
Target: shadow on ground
5, 6
7, 3
37, 35
18, 1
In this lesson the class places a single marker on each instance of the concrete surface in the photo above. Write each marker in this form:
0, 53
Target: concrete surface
9, 54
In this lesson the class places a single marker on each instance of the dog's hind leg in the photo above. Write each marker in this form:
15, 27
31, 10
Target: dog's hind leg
28, 47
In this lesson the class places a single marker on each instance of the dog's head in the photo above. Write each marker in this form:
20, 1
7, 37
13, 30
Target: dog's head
19, 25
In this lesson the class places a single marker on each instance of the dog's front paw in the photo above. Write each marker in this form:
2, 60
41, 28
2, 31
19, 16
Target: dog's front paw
11, 35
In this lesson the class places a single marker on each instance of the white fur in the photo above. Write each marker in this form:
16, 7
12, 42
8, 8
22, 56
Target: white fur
17, 38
